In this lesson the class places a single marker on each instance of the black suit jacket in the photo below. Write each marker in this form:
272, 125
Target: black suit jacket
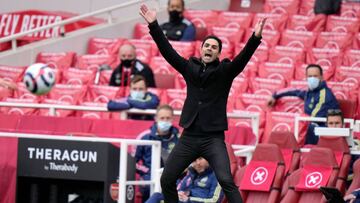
208, 85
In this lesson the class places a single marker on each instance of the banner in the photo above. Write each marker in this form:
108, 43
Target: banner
22, 21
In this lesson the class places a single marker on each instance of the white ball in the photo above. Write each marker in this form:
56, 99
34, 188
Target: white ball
39, 78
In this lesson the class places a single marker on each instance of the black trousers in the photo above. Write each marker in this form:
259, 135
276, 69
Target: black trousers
188, 149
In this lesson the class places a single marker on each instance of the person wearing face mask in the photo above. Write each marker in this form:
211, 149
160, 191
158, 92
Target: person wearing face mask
129, 67
139, 98
178, 28
203, 115
318, 99
164, 131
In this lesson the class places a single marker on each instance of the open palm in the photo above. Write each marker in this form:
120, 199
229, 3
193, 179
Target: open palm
147, 14
259, 27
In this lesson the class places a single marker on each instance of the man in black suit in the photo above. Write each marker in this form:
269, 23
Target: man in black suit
204, 113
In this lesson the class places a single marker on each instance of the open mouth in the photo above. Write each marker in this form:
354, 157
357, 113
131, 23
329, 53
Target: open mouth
208, 55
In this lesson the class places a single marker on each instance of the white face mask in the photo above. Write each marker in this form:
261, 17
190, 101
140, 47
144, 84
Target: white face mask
163, 126
138, 95
313, 82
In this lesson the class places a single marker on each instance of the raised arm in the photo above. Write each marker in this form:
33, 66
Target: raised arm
240, 61
166, 50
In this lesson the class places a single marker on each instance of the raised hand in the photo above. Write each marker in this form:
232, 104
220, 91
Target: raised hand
271, 102
259, 27
147, 14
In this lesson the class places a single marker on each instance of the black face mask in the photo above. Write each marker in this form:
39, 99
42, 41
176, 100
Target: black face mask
127, 62
175, 16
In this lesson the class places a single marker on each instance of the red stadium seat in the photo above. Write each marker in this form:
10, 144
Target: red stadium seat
101, 93
290, 7
174, 97
289, 149
355, 184
299, 39
58, 112
299, 84
350, 9
141, 31
239, 85
277, 71
307, 7
288, 55
68, 93
93, 62
307, 23
185, 49
62, 60
290, 104
234, 19
282, 121
270, 38
228, 35
341, 150
348, 75
275, 22
166, 81
260, 55
344, 90
94, 114
325, 57
318, 167
160, 66
265, 86
179, 81
356, 41
74, 76
202, 18
23, 93
12, 73
252, 103
145, 49
342, 24
351, 58
104, 78
250, 70
18, 110
329, 71
263, 156
104, 46
334, 40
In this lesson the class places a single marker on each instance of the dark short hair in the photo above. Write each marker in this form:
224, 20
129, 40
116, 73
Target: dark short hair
182, 2
335, 112
215, 38
315, 66
165, 107
138, 78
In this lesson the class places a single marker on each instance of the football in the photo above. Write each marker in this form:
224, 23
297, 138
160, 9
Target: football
39, 78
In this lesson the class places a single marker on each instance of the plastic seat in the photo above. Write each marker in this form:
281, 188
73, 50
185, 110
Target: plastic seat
342, 153
285, 7
264, 153
289, 149
317, 158
299, 39
61, 60
107, 46
355, 184
94, 62
74, 76
342, 24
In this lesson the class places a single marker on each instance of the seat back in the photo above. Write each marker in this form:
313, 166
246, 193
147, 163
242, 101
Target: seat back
348, 107
355, 184
264, 153
318, 158
341, 149
286, 141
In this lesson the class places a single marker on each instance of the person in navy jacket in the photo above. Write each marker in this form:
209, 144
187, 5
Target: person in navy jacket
318, 99
198, 186
164, 131
139, 98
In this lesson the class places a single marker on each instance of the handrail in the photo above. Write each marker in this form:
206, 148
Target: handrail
108, 10
52, 112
